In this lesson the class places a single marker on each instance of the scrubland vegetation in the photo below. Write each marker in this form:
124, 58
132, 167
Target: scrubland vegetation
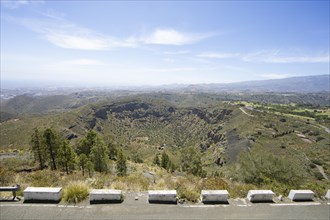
183, 142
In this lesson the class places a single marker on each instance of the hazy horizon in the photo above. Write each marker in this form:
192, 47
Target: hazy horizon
105, 43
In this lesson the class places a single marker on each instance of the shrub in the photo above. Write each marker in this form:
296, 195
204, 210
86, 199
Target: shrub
311, 165
75, 192
262, 168
318, 162
240, 190
214, 183
188, 193
43, 178
6, 176
188, 189
318, 175
319, 138
133, 182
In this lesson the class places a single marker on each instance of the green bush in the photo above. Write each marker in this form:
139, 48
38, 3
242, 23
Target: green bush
263, 168
311, 165
318, 162
75, 193
318, 175
189, 194
239, 190
188, 189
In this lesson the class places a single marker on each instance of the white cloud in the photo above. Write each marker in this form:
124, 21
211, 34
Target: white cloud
274, 76
169, 60
77, 42
168, 70
14, 4
172, 37
180, 52
61, 33
274, 56
217, 55
83, 62
235, 68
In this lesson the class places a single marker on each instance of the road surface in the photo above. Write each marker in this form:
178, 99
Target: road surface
140, 209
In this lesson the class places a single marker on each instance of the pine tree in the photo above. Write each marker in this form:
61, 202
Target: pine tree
113, 151
121, 164
83, 162
90, 168
86, 144
99, 155
191, 161
66, 156
51, 143
38, 148
165, 161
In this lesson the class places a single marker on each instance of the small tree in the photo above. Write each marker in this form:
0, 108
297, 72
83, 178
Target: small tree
99, 155
156, 160
165, 161
121, 164
191, 161
112, 151
83, 162
51, 143
38, 148
66, 156
90, 168
86, 144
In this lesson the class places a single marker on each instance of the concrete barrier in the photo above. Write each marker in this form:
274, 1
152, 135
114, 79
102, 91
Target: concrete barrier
162, 196
260, 196
214, 196
105, 196
327, 195
301, 195
42, 194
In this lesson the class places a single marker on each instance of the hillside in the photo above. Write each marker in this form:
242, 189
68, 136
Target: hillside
209, 143
144, 127
302, 84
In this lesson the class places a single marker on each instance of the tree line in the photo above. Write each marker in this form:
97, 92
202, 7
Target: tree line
91, 153
190, 162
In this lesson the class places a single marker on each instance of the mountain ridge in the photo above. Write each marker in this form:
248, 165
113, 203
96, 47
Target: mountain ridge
298, 84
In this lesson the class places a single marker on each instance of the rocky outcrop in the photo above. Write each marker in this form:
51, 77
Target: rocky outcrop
211, 117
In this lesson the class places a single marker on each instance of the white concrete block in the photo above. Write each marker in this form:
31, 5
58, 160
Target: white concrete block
53, 194
162, 196
260, 195
327, 195
301, 195
214, 196
105, 195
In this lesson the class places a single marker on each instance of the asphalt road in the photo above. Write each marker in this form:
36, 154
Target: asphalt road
140, 209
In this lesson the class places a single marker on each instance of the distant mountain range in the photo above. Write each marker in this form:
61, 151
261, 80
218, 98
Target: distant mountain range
301, 84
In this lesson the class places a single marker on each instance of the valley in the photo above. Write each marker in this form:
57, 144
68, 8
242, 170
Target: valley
237, 145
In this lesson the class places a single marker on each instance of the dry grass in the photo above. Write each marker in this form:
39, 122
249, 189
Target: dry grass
75, 192
133, 182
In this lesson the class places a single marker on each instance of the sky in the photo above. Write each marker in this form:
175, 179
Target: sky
137, 43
